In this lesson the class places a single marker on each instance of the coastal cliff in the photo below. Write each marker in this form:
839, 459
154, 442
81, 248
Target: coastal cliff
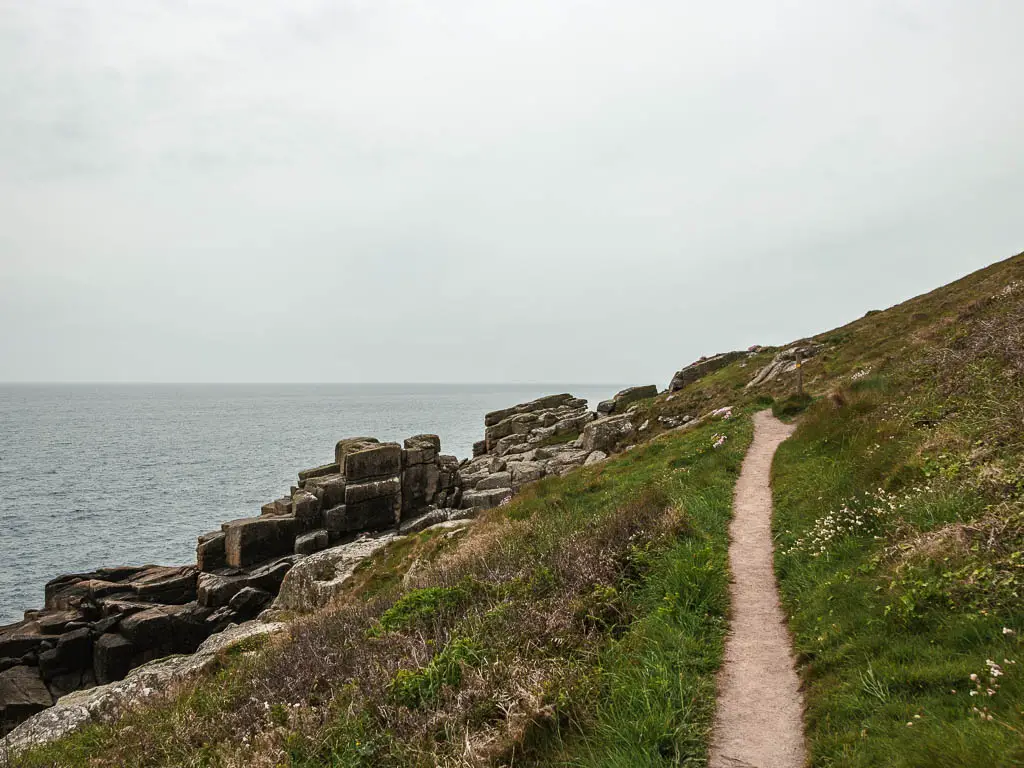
96, 627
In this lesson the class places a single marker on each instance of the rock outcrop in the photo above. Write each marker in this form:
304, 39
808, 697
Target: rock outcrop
527, 442
703, 367
106, 703
625, 398
96, 627
784, 362
93, 646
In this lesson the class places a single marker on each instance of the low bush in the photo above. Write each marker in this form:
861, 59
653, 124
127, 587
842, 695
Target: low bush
792, 406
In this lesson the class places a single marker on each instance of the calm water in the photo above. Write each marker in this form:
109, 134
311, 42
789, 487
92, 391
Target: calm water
96, 475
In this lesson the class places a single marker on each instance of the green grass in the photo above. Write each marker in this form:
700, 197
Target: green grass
890, 621
793, 405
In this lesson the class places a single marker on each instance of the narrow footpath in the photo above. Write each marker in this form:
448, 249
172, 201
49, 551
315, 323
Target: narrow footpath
759, 722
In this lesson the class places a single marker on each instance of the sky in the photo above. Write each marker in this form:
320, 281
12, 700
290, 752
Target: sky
477, 191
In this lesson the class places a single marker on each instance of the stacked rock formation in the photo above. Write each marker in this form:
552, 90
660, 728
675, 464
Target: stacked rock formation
370, 486
703, 367
96, 627
548, 436
625, 398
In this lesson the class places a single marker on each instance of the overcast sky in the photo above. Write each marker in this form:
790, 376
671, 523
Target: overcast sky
463, 190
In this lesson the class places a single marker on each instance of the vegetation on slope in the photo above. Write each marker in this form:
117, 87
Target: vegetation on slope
900, 530
581, 624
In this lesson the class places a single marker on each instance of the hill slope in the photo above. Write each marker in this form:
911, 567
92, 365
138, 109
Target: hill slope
582, 623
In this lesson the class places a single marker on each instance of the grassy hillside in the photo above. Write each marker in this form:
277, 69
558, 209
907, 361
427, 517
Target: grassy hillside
900, 527
582, 624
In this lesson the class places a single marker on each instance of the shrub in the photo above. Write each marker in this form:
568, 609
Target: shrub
792, 405
421, 606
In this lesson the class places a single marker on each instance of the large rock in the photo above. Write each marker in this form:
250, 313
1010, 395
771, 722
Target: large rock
485, 499
148, 629
250, 601
161, 584
71, 590
326, 469
784, 362
328, 489
18, 640
524, 472
112, 657
317, 579
311, 542
107, 703
701, 368
373, 514
566, 460
22, 694
254, 539
624, 398
306, 509
546, 403
497, 480
374, 489
348, 445
422, 449
152, 583
605, 434
216, 590
210, 553
420, 484
509, 444
282, 506
373, 463
519, 424
53, 622
74, 649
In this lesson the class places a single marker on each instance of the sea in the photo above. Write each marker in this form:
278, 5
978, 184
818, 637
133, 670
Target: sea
104, 475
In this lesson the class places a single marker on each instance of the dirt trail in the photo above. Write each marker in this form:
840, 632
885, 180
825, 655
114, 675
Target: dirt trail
759, 723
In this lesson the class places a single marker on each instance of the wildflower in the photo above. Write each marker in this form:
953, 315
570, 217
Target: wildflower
1008, 631
974, 678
